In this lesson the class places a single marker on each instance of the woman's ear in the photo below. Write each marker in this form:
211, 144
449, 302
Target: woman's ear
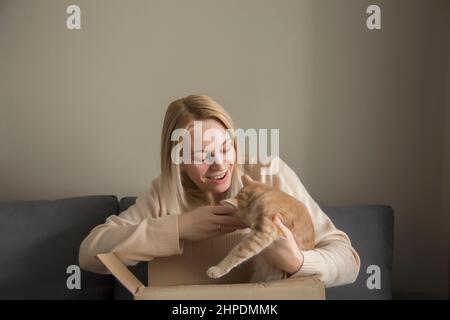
246, 180
231, 202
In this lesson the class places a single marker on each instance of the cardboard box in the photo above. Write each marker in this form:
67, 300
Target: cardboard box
183, 276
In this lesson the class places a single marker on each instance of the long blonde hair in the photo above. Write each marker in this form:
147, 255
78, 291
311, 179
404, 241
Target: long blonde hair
177, 190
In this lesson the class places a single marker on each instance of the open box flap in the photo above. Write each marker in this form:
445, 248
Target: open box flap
121, 272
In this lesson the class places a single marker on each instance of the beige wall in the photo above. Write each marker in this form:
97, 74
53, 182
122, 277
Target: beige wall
446, 179
361, 112
446, 162
446, 188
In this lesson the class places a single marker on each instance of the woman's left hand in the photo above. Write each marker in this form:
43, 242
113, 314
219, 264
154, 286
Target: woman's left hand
284, 252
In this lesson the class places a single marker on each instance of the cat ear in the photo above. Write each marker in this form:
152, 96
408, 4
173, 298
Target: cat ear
231, 202
246, 180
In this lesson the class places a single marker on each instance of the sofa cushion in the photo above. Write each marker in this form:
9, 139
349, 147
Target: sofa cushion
370, 229
40, 239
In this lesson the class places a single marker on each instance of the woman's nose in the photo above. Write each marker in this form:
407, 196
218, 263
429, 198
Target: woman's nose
218, 163
217, 167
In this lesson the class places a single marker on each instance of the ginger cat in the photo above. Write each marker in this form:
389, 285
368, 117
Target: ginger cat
257, 203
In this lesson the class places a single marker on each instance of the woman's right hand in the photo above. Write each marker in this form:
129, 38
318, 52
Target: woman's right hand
207, 222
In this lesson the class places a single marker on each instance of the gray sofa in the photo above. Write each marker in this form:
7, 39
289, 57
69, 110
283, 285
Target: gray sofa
40, 239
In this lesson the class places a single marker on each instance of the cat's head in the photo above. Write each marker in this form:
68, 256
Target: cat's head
244, 202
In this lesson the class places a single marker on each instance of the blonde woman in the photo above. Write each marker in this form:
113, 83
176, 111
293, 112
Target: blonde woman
182, 205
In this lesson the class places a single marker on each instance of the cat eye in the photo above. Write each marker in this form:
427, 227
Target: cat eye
244, 195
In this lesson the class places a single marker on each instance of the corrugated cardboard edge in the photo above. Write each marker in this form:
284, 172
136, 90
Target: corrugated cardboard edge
121, 272
299, 288
129, 281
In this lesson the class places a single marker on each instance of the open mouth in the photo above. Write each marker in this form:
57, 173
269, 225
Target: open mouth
218, 177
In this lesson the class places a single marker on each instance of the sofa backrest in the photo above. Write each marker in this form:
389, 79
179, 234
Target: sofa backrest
39, 240
371, 231
370, 228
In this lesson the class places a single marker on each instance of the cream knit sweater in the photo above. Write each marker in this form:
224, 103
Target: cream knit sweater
146, 230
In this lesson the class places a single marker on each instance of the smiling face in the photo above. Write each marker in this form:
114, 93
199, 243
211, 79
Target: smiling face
217, 155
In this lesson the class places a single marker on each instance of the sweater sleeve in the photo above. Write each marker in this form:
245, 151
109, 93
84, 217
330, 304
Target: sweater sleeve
139, 233
333, 260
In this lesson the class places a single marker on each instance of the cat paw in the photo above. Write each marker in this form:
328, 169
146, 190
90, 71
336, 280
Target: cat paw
214, 272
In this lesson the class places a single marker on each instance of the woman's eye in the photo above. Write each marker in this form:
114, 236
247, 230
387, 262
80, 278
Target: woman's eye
227, 147
199, 156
